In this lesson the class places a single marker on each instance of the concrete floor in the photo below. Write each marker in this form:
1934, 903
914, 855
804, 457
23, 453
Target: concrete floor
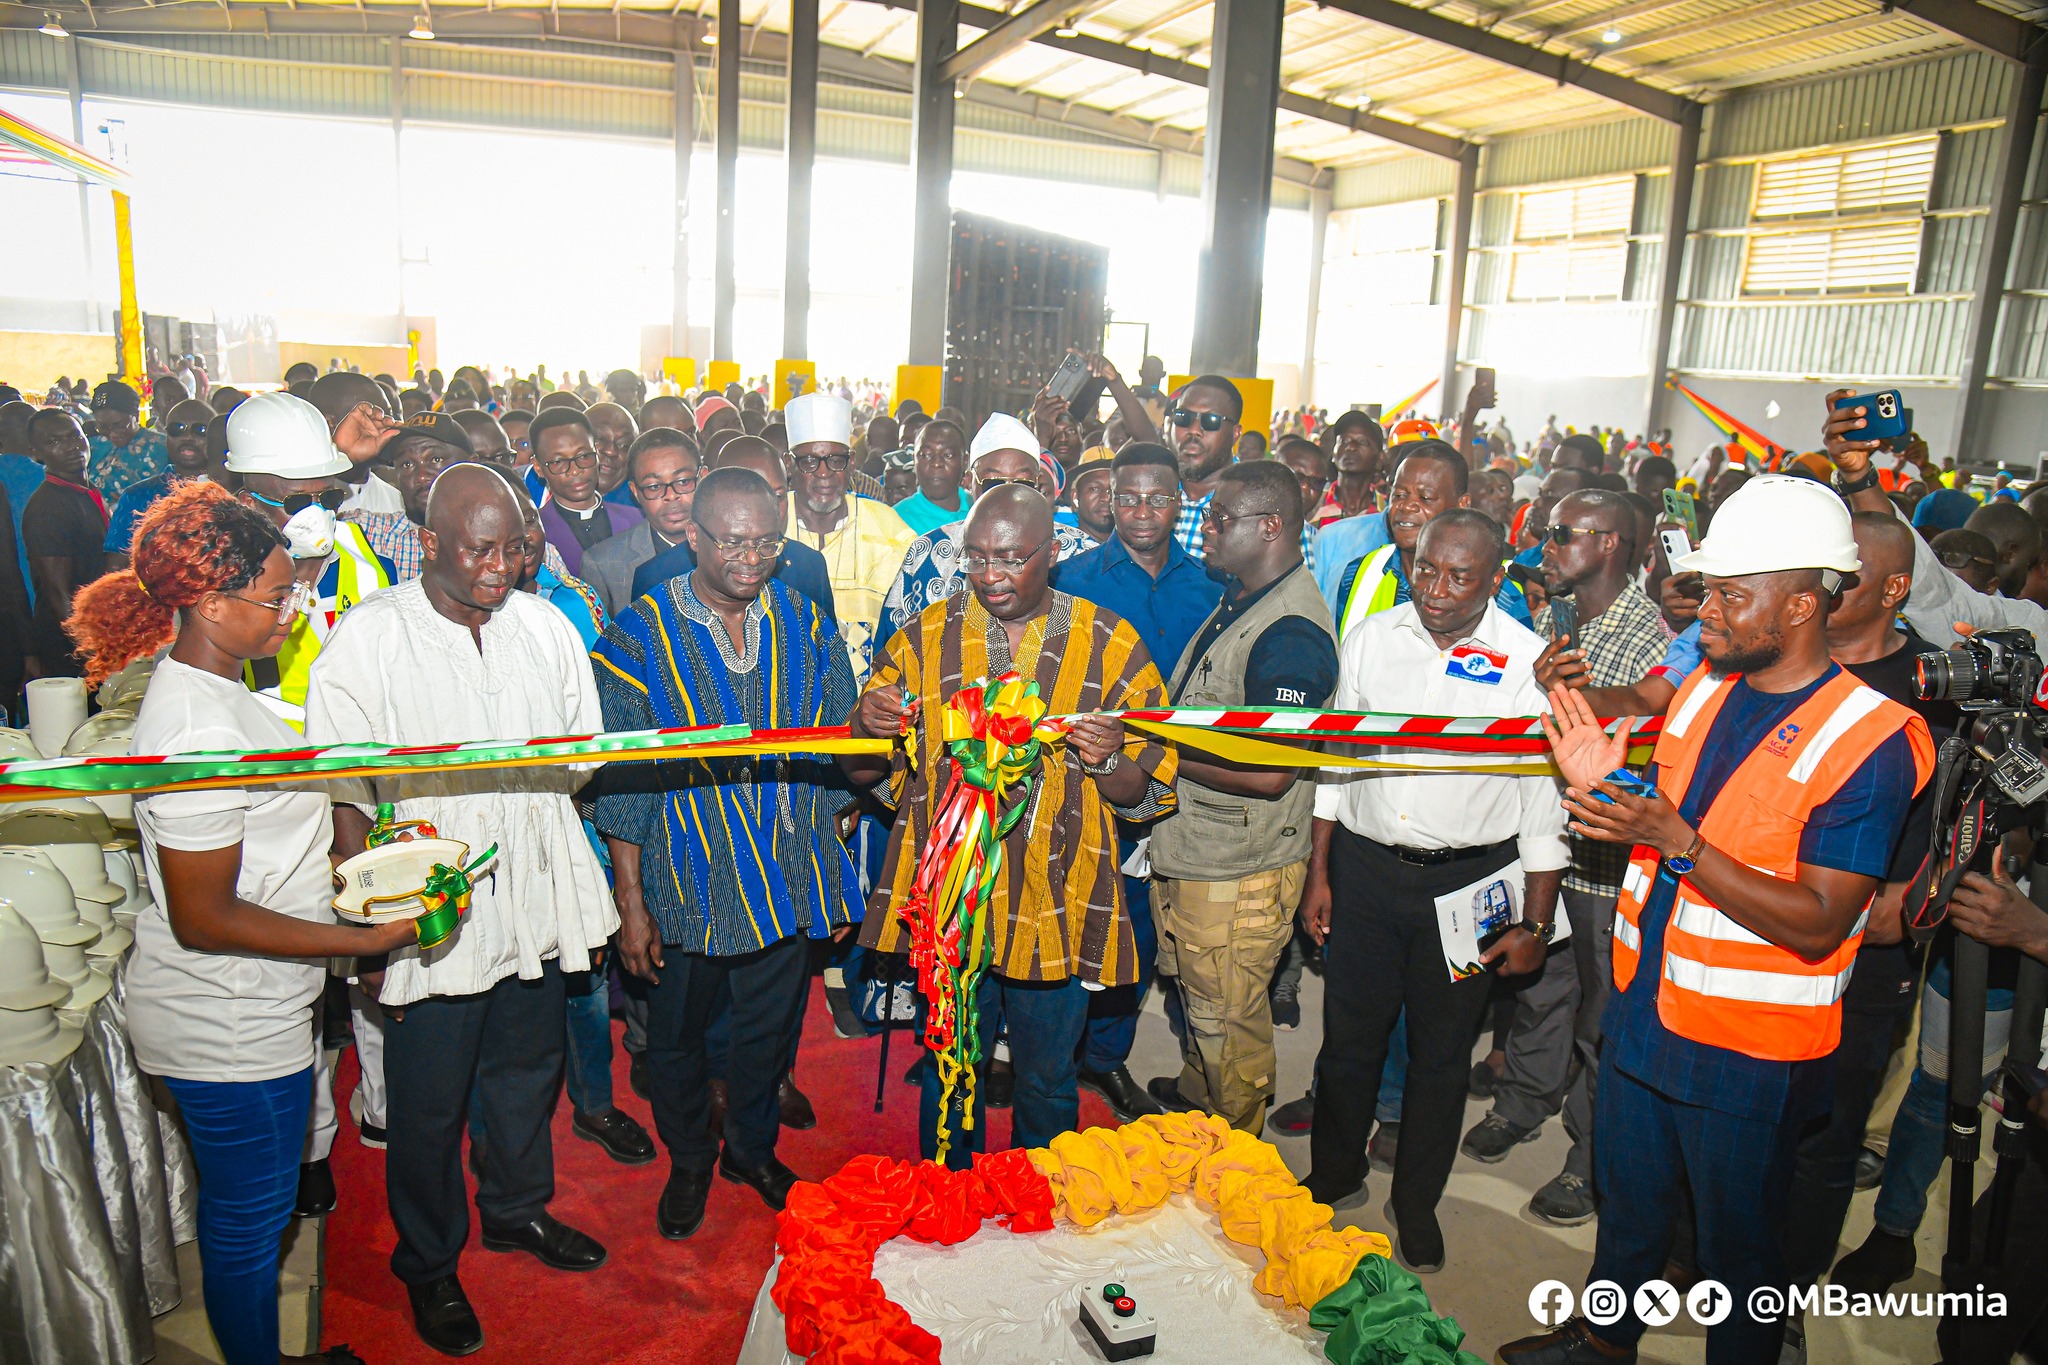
1497, 1252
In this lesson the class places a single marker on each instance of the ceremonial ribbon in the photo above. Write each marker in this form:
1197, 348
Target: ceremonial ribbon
1514, 745
993, 736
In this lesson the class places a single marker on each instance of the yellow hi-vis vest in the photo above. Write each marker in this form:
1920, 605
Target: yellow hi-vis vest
352, 573
1375, 588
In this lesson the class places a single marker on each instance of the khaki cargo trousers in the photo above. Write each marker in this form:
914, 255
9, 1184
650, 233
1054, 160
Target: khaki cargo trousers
1222, 941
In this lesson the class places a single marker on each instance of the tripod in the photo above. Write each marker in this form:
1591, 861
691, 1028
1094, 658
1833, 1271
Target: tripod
1963, 1264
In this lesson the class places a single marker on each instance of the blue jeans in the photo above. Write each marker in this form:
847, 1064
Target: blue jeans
1046, 1020
1113, 1013
1919, 1141
245, 1138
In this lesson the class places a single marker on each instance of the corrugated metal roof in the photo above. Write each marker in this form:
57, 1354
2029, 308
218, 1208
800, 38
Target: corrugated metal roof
1701, 48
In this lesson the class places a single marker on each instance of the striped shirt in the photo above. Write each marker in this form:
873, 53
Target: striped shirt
1057, 910
736, 854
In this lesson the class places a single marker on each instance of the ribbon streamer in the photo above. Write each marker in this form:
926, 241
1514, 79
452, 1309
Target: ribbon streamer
994, 735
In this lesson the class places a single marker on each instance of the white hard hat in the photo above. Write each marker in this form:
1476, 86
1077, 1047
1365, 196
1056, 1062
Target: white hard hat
283, 435
41, 895
24, 974
818, 417
1773, 523
1003, 432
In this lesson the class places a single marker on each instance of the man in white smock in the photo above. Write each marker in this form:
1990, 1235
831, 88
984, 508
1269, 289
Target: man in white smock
457, 655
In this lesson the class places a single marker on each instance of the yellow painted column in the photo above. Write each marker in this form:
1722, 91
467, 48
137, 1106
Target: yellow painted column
131, 312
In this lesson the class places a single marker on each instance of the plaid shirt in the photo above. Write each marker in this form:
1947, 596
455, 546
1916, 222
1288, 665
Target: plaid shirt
1188, 530
1621, 645
393, 535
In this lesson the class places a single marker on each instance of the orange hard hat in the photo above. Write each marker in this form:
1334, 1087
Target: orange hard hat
1413, 429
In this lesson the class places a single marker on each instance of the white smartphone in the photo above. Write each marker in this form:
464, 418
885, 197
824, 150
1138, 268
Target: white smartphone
1676, 544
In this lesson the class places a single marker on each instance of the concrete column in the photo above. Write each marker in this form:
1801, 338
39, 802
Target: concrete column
1237, 185
801, 151
95, 319
724, 288
1459, 256
1318, 234
685, 135
931, 161
2016, 150
1677, 223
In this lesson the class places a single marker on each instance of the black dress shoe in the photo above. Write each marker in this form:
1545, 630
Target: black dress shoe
1001, 1086
681, 1209
442, 1316
624, 1140
316, 1189
1127, 1099
636, 1075
797, 1113
771, 1179
553, 1242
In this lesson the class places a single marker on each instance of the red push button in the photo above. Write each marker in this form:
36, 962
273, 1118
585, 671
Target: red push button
1125, 1306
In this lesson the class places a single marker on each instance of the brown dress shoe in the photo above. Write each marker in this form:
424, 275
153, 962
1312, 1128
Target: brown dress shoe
796, 1106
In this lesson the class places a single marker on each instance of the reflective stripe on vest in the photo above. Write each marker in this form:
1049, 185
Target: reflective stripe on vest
357, 573
1376, 570
1723, 984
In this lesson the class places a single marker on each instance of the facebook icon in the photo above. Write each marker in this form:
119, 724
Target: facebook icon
1550, 1302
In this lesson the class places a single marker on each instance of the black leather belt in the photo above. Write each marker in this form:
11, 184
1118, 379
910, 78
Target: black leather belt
1437, 857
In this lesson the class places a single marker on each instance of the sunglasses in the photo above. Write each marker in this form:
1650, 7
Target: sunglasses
1564, 535
185, 429
295, 503
1209, 421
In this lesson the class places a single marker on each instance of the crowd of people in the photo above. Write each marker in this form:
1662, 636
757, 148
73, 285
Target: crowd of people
1703, 966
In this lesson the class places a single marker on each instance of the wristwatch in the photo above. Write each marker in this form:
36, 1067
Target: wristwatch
1543, 932
1116, 756
1868, 479
1682, 863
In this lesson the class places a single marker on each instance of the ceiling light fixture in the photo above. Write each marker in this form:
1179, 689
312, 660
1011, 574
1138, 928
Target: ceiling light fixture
52, 26
959, 92
1067, 29
422, 28
1611, 36
711, 37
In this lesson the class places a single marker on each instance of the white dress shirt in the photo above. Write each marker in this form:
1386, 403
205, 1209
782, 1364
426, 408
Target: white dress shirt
1389, 663
396, 671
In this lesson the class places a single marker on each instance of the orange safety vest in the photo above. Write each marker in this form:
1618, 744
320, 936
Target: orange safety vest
1723, 985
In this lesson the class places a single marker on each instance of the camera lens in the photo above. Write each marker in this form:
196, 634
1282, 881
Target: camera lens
1953, 675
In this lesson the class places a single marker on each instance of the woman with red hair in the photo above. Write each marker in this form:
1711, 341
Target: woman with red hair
226, 972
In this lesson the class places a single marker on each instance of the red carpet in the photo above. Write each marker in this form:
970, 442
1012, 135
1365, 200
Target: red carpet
655, 1300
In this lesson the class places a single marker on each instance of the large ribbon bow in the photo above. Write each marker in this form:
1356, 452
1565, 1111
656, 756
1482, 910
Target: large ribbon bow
993, 735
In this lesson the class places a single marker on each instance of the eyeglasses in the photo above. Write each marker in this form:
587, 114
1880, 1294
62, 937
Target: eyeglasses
1210, 421
980, 563
375, 412
1563, 535
760, 551
587, 460
677, 488
296, 600
1962, 559
295, 503
809, 464
1158, 502
185, 429
1210, 514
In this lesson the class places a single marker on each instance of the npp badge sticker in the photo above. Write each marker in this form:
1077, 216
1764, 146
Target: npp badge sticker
1476, 663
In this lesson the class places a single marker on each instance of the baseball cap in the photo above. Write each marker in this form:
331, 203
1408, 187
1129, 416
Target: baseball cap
440, 427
